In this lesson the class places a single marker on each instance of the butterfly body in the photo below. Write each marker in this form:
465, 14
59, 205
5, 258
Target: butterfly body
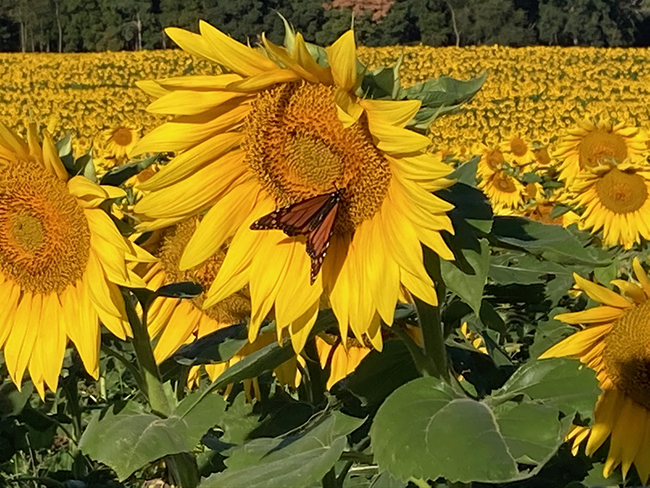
313, 217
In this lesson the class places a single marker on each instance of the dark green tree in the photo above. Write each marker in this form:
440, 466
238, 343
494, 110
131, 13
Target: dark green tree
493, 22
589, 22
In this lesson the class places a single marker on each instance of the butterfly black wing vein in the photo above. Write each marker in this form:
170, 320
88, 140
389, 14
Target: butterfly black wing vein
313, 217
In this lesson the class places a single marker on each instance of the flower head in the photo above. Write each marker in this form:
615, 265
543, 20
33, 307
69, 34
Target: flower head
61, 261
276, 130
615, 342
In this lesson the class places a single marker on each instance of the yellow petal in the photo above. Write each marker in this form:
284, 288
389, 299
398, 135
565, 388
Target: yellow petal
193, 44
192, 160
188, 130
196, 192
282, 56
579, 343
600, 293
11, 141
421, 288
52, 340
264, 80
396, 140
88, 194
626, 436
301, 328
591, 316
199, 82
9, 296
51, 157
20, 343
268, 268
302, 56
390, 112
607, 409
220, 223
342, 59
82, 326
235, 55
336, 270
296, 288
181, 324
234, 271
631, 290
152, 88
190, 102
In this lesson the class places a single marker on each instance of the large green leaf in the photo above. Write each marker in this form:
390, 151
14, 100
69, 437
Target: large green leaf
552, 242
127, 439
523, 269
565, 384
12, 400
466, 277
426, 430
297, 460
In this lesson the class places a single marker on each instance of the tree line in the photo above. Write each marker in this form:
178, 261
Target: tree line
97, 25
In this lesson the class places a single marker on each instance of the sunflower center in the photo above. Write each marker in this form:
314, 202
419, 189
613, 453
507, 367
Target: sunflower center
518, 147
622, 192
599, 146
494, 159
233, 309
627, 354
44, 235
298, 148
122, 137
504, 183
542, 156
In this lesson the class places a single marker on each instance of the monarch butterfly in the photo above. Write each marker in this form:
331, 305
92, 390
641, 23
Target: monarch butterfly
313, 217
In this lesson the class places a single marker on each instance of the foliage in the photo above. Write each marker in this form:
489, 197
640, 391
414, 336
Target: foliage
73, 25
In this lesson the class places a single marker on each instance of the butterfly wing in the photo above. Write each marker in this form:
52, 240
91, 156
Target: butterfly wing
313, 217
296, 219
318, 240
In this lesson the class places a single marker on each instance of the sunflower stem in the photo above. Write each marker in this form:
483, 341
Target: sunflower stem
154, 390
434, 340
422, 362
329, 480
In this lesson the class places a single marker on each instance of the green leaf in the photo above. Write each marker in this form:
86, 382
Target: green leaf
185, 289
439, 96
563, 383
467, 275
119, 175
216, 347
128, 439
382, 83
523, 269
426, 430
13, 401
552, 242
549, 332
466, 172
444, 91
297, 460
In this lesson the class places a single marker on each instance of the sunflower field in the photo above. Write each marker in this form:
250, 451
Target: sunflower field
258, 265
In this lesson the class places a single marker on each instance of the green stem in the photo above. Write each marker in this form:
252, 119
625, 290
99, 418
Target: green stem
181, 466
316, 385
434, 341
148, 368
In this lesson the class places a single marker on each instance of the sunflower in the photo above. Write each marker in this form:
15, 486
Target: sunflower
61, 261
278, 129
491, 161
591, 144
504, 191
119, 142
518, 150
615, 199
615, 342
173, 322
